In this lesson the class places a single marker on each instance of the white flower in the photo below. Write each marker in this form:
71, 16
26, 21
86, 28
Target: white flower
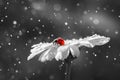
64, 51
60, 48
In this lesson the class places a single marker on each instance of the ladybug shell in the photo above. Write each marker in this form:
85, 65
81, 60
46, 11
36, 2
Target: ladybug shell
61, 41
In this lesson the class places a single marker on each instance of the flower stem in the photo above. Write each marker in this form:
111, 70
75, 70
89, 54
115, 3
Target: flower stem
68, 70
68, 61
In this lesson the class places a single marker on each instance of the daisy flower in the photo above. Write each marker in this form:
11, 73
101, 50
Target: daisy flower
65, 50
60, 49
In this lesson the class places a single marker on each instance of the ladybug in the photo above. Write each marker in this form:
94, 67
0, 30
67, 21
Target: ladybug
59, 41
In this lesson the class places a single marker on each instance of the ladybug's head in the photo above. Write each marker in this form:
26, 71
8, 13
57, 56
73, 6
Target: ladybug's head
59, 41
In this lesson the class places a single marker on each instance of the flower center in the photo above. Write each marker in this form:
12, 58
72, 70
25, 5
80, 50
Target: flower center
61, 41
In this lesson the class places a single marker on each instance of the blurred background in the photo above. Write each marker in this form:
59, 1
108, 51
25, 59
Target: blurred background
27, 22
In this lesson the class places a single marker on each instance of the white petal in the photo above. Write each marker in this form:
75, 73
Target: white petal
49, 54
86, 44
42, 57
38, 49
74, 51
100, 41
97, 40
34, 54
62, 53
58, 56
90, 41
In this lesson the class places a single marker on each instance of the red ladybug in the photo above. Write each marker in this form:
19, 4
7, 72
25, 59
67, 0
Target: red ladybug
59, 41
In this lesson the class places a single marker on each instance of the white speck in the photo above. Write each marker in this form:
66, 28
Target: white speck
15, 49
12, 77
0, 46
5, 8
91, 18
107, 30
66, 9
54, 14
119, 54
6, 16
96, 11
75, 22
119, 16
6, 34
109, 46
86, 51
51, 77
81, 21
18, 37
38, 20
11, 35
31, 19
94, 54
107, 57
98, 8
8, 3
0, 69
20, 33
65, 73
85, 12
22, 2
96, 21
66, 23
68, 17
43, 25
52, 35
16, 71
33, 30
29, 41
91, 62
40, 32
26, 44
116, 32
68, 27
33, 74
19, 62
14, 22
9, 44
28, 31
115, 58
88, 27
26, 78
78, 4
2, 20
26, 8
14, 26
104, 8
17, 58
48, 37
112, 10
35, 38
14, 64
74, 32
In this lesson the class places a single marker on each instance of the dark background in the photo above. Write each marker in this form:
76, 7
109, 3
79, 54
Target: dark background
27, 22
